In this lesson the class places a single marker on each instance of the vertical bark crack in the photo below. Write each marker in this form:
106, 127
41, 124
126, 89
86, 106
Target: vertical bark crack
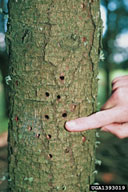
91, 48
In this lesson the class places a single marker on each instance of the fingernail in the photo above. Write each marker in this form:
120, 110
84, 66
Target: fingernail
70, 124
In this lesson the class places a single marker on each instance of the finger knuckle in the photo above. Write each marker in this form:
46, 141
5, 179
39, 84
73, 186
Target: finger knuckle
116, 79
114, 87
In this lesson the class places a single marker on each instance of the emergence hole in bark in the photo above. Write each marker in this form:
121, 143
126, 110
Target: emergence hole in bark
50, 156
46, 117
58, 96
72, 107
84, 39
83, 139
49, 136
29, 128
16, 83
66, 151
83, 6
16, 118
47, 94
62, 77
64, 115
38, 135
63, 188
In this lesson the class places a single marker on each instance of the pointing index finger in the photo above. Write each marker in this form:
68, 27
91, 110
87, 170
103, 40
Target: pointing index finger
96, 120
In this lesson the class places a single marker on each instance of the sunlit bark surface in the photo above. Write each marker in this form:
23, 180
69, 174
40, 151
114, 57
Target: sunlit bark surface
53, 49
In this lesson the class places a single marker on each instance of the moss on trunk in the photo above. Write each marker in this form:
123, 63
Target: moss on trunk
53, 49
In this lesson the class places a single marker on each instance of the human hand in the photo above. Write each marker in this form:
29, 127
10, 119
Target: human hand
114, 115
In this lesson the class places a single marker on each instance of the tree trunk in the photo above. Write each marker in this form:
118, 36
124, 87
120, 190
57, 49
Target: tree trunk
53, 49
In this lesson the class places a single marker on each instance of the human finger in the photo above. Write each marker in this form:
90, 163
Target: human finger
124, 77
111, 102
96, 120
120, 130
3, 139
121, 83
120, 96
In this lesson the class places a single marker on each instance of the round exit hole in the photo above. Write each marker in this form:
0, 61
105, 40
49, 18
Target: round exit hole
47, 94
64, 115
46, 117
50, 156
62, 77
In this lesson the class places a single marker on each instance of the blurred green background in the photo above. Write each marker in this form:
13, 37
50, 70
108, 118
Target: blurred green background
3, 117
112, 151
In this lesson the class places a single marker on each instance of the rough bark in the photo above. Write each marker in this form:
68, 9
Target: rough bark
53, 50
